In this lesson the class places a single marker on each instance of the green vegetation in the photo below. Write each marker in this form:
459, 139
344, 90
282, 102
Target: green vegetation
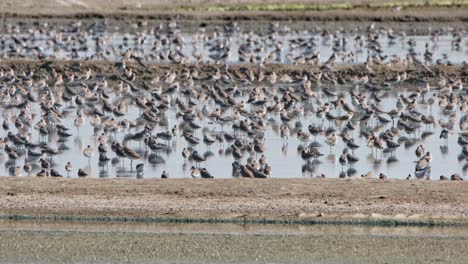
324, 6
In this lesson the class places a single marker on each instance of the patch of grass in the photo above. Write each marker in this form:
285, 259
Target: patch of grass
420, 3
267, 7
322, 6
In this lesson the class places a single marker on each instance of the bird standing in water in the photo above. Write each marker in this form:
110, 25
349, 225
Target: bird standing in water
88, 152
78, 122
68, 168
444, 134
331, 141
197, 157
258, 106
27, 167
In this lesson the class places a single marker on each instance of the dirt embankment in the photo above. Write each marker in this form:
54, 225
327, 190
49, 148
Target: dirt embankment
250, 15
149, 70
237, 199
359, 10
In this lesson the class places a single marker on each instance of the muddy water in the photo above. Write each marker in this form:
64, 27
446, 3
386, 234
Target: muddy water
26, 242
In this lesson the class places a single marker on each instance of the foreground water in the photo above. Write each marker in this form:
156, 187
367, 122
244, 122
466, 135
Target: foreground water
43, 242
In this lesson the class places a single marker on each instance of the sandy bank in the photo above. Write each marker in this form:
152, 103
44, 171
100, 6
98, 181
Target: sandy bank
299, 200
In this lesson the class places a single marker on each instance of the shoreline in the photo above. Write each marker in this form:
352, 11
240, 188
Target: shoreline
369, 202
369, 222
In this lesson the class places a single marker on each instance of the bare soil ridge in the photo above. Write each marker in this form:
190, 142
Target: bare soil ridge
147, 71
274, 199
317, 10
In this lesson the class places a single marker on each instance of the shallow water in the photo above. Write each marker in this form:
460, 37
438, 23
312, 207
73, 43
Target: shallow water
46, 242
196, 45
234, 229
283, 156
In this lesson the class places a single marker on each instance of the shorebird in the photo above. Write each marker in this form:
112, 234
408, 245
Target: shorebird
382, 176
82, 173
352, 145
391, 145
197, 158
130, 154
96, 121
55, 173
17, 171
78, 122
267, 170
258, 148
68, 168
45, 164
262, 160
27, 167
88, 152
427, 157
331, 140
208, 140
378, 144
303, 136
351, 159
205, 174
42, 173
236, 152
443, 178
444, 134
140, 168
186, 154
343, 160
166, 136
103, 159
195, 172
285, 133
422, 168
419, 151
246, 172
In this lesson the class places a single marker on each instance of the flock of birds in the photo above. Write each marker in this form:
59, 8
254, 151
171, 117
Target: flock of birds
152, 42
230, 105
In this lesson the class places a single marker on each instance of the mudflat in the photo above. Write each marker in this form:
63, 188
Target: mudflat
237, 199
414, 17
117, 247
